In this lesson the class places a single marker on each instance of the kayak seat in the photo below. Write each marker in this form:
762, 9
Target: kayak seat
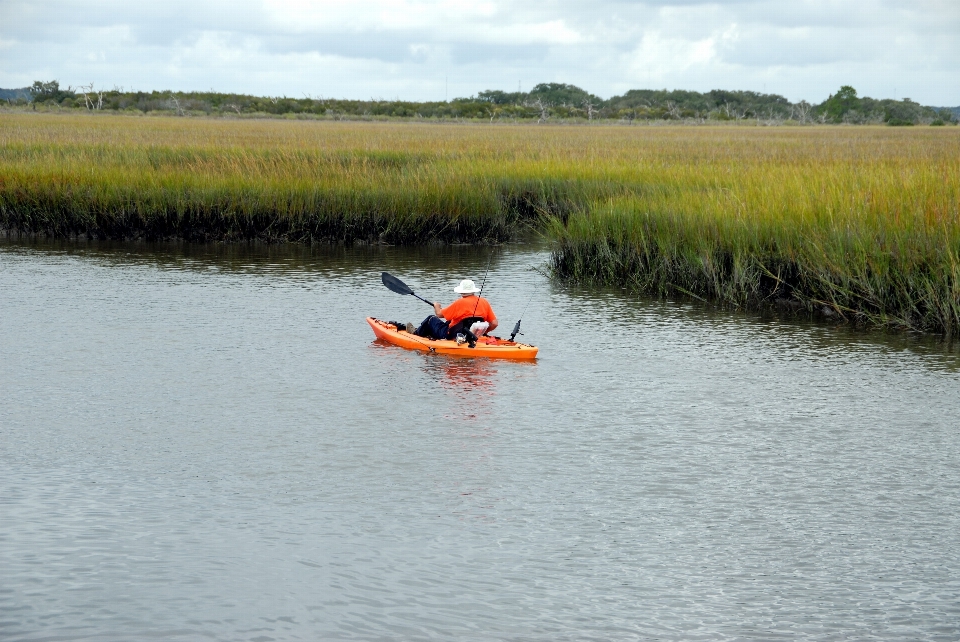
462, 327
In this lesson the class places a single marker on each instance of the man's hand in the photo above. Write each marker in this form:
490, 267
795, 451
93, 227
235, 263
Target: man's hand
437, 310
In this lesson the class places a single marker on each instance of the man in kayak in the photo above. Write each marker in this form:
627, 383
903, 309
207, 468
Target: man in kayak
470, 315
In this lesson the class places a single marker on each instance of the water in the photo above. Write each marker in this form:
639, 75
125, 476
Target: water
207, 444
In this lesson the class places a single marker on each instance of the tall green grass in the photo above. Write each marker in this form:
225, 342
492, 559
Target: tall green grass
861, 222
208, 180
863, 229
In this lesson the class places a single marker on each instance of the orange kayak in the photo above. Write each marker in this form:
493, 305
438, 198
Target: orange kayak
491, 347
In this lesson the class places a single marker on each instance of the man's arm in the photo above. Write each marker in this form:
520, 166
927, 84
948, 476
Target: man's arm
493, 319
437, 310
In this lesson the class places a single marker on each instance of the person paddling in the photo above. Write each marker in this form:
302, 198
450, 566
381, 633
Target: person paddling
468, 315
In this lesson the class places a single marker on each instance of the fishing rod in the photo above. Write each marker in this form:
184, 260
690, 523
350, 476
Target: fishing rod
516, 328
487, 271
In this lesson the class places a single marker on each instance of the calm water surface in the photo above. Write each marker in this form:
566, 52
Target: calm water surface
207, 444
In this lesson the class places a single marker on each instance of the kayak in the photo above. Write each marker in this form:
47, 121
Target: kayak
490, 347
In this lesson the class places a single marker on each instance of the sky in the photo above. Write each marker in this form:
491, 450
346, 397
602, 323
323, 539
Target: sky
435, 50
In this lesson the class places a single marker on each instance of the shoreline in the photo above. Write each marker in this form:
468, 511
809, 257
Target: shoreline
455, 121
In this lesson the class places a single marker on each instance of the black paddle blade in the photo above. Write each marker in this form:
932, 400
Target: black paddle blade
394, 284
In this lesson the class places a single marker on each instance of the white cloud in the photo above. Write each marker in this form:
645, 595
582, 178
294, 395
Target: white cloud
553, 32
658, 56
381, 15
415, 48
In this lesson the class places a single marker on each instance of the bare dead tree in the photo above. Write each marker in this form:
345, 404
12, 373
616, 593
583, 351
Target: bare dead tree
84, 89
91, 98
673, 110
234, 107
802, 110
733, 112
176, 103
543, 108
590, 108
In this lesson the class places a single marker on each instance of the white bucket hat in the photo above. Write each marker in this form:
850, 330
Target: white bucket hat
466, 287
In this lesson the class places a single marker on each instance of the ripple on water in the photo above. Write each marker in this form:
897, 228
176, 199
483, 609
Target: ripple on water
206, 442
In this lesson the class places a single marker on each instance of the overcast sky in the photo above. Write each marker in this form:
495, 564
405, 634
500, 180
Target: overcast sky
431, 49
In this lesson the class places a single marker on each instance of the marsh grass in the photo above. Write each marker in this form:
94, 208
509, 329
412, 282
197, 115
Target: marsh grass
860, 226
273, 181
861, 223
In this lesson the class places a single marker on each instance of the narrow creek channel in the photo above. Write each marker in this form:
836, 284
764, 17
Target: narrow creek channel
205, 442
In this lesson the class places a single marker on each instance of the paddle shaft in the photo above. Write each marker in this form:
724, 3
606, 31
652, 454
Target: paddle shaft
396, 285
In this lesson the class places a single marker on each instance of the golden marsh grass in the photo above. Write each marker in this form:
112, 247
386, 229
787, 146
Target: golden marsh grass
861, 221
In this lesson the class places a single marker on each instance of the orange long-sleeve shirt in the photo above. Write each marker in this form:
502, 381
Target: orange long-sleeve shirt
464, 307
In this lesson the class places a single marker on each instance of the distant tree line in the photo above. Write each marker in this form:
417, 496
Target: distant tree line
545, 102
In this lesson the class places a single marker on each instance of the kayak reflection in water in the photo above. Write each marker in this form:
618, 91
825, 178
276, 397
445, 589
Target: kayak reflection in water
477, 376
470, 316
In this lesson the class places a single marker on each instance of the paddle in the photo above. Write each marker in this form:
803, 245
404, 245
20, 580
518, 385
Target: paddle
396, 285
